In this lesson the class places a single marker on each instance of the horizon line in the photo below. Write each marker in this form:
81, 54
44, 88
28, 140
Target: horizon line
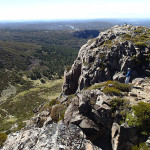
75, 19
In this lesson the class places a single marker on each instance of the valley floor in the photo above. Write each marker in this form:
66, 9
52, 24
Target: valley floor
17, 107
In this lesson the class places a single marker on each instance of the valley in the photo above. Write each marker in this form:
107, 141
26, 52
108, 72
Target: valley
19, 106
32, 64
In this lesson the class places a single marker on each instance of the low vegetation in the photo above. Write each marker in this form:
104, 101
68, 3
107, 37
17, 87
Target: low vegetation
19, 107
58, 112
140, 38
108, 43
112, 91
141, 45
3, 138
140, 117
29, 60
121, 106
141, 146
112, 87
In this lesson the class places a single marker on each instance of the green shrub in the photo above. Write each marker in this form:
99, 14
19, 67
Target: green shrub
122, 87
112, 91
144, 36
120, 104
140, 117
131, 120
141, 146
138, 31
43, 81
142, 112
141, 44
127, 35
108, 43
62, 114
53, 102
115, 88
33, 77
3, 138
58, 112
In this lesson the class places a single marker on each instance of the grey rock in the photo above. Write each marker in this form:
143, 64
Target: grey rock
148, 142
115, 133
123, 137
53, 136
44, 114
119, 77
97, 63
48, 121
138, 81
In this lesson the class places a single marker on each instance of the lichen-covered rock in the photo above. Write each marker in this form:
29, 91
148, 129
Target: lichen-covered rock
51, 137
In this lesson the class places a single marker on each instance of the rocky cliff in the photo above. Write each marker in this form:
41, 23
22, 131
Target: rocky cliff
93, 113
108, 56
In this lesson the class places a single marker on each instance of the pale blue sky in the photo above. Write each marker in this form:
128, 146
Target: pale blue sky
73, 9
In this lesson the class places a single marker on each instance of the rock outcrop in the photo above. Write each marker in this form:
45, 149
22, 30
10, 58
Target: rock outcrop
51, 137
90, 121
107, 57
91, 111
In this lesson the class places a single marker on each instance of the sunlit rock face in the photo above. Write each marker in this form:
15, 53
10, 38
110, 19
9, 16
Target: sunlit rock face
108, 56
50, 137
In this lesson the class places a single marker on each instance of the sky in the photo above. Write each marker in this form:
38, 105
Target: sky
73, 9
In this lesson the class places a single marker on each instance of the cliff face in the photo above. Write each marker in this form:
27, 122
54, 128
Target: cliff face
92, 107
108, 56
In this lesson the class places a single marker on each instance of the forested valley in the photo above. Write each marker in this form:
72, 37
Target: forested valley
32, 64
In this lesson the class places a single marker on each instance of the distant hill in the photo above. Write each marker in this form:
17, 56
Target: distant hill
89, 24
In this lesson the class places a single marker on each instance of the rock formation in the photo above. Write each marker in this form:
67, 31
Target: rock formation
90, 121
107, 57
52, 136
